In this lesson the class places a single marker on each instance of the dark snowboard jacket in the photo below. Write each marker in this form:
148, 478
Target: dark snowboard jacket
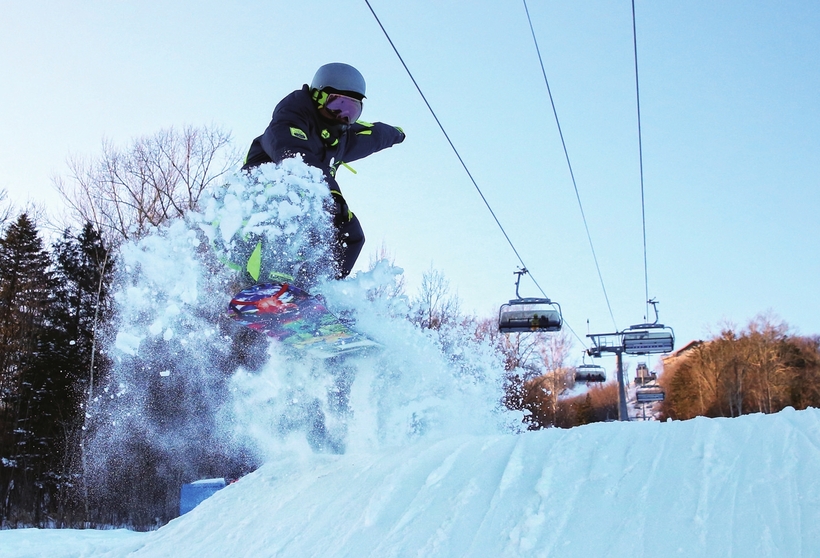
298, 127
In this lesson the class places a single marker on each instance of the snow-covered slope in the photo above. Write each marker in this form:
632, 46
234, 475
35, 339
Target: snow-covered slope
708, 487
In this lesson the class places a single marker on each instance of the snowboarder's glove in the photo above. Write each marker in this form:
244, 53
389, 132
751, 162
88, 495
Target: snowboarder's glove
402, 136
341, 213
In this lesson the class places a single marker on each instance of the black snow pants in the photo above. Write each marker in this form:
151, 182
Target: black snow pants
350, 241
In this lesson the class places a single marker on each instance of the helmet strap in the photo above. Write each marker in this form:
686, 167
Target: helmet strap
320, 98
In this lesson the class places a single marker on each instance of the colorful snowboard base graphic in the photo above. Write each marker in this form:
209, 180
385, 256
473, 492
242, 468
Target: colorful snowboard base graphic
296, 319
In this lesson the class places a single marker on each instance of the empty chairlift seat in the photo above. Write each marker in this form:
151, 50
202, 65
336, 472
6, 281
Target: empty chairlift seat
649, 394
529, 314
648, 339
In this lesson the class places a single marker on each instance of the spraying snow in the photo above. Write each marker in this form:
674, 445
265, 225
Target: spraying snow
188, 381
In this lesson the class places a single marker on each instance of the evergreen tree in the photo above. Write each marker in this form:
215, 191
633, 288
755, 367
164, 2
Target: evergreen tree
49, 311
83, 273
70, 360
585, 413
25, 283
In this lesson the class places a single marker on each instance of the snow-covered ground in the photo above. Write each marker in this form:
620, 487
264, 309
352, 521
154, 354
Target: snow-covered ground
748, 486
431, 464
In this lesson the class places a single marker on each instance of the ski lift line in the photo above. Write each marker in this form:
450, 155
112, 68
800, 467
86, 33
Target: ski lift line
569, 165
452, 146
640, 157
578, 337
463, 164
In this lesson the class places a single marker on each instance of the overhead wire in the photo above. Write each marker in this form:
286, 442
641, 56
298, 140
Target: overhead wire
446, 135
460, 159
640, 159
569, 164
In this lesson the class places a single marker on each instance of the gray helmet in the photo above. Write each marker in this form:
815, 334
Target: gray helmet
340, 77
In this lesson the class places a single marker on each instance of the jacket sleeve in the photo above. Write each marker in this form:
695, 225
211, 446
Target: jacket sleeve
291, 132
365, 139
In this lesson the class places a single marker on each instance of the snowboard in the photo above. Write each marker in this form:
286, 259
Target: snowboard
296, 319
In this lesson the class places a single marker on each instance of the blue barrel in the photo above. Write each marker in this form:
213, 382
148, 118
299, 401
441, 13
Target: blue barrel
191, 495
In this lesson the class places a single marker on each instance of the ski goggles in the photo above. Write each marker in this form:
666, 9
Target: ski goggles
343, 108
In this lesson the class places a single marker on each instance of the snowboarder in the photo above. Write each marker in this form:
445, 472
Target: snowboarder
321, 122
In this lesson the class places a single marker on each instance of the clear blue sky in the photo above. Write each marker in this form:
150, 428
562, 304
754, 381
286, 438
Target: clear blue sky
730, 95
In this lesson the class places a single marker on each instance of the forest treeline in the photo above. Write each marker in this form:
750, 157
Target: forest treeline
52, 300
56, 304
759, 369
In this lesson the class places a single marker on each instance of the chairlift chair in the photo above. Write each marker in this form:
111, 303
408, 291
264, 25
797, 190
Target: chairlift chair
649, 394
590, 373
649, 339
529, 314
522, 315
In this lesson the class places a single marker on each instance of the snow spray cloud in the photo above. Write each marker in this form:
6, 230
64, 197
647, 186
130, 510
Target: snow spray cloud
199, 393
173, 349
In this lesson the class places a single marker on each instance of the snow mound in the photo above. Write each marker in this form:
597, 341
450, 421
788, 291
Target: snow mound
707, 487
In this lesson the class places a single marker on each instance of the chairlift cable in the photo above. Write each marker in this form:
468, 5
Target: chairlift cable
569, 165
656, 338
640, 158
441, 126
463, 164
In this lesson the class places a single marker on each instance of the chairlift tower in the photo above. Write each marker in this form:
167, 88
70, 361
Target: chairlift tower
612, 343
641, 339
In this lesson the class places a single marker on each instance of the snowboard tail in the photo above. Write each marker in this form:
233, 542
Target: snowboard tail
296, 319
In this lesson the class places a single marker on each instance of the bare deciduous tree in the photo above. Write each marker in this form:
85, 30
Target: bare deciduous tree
435, 306
543, 392
125, 192
765, 356
760, 369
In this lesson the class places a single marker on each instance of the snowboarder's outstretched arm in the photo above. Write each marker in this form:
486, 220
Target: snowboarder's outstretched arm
296, 128
367, 138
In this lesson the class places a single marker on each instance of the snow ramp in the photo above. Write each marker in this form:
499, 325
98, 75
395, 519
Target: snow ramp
748, 486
